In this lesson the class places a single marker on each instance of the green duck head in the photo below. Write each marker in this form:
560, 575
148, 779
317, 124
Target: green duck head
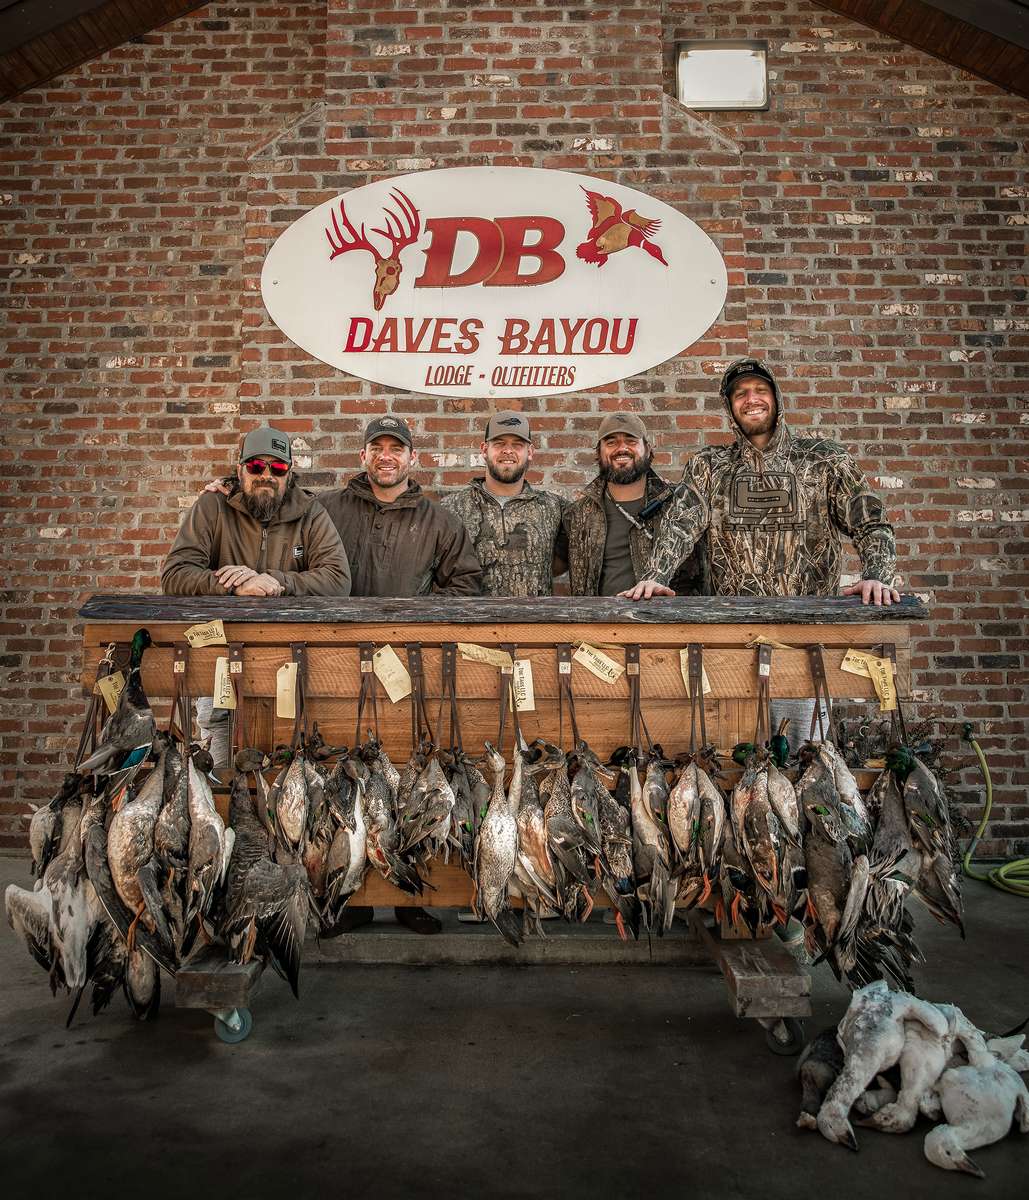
742, 751
900, 760
141, 640
779, 745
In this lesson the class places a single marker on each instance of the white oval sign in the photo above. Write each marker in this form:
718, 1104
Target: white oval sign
493, 281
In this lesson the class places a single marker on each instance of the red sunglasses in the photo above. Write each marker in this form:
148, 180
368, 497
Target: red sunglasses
258, 466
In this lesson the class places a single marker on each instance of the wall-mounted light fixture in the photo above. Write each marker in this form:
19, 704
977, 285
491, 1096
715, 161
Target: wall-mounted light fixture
718, 74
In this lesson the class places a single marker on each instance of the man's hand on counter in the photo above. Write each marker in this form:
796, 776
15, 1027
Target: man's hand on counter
216, 485
231, 576
259, 585
645, 589
872, 591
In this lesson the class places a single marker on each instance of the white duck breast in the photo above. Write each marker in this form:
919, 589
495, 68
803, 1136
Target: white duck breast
979, 1104
684, 813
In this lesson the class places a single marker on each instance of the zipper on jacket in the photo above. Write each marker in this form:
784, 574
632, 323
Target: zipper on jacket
264, 549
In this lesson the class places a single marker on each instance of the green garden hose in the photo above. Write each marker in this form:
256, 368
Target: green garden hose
1011, 876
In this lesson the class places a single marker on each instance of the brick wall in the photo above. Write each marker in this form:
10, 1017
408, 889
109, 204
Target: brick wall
873, 223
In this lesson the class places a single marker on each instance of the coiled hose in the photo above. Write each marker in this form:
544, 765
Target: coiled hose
1011, 876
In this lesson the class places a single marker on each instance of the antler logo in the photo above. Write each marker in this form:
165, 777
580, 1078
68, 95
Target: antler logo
387, 267
614, 230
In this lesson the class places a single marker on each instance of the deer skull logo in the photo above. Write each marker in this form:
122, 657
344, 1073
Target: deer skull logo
401, 230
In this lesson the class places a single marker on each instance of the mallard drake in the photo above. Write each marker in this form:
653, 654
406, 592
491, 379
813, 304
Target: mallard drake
534, 866
128, 732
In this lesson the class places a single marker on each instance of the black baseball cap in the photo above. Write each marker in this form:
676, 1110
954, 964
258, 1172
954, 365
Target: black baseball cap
747, 366
391, 426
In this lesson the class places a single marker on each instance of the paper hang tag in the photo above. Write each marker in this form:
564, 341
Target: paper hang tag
286, 691
879, 670
210, 634
883, 682
223, 694
598, 664
684, 667
110, 688
521, 686
391, 673
484, 654
855, 662
761, 640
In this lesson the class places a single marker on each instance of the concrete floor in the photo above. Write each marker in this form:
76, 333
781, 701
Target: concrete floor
473, 1080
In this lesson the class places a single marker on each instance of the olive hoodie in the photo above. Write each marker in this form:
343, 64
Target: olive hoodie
299, 547
410, 547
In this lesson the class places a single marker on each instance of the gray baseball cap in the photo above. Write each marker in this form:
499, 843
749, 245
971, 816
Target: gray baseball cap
391, 426
622, 422
510, 423
266, 441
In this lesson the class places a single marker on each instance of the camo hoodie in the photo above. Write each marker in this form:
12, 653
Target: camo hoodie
516, 542
774, 517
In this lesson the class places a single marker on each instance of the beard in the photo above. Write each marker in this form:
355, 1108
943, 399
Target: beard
381, 481
263, 503
627, 474
507, 472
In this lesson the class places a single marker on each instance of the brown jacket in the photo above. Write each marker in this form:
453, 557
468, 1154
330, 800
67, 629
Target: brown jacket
299, 547
411, 547
586, 527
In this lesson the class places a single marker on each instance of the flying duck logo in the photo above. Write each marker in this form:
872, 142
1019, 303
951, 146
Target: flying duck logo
494, 282
615, 230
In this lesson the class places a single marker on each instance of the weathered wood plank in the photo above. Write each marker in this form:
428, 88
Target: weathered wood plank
483, 610
336, 673
764, 980
210, 981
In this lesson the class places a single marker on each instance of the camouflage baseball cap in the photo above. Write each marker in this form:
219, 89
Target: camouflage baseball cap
622, 422
266, 441
503, 423
387, 425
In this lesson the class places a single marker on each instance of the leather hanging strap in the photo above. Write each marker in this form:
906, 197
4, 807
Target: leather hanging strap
299, 653
420, 723
237, 727
448, 692
637, 726
506, 699
366, 693
565, 694
820, 683
898, 726
695, 674
763, 726
180, 721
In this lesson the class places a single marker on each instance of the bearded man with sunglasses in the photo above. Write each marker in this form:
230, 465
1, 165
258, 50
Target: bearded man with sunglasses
263, 536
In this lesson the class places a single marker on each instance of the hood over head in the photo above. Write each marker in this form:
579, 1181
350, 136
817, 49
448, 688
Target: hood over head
753, 366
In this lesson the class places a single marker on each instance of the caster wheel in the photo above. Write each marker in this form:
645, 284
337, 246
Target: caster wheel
786, 1036
229, 1034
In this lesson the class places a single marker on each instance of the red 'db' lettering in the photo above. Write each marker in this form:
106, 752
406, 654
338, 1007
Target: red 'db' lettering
500, 249
439, 258
550, 264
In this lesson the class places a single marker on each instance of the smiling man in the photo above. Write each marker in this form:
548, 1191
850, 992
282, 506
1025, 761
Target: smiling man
612, 526
773, 508
399, 541
259, 535
514, 527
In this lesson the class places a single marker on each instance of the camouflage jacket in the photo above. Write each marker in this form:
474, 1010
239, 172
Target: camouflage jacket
773, 517
586, 529
515, 542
